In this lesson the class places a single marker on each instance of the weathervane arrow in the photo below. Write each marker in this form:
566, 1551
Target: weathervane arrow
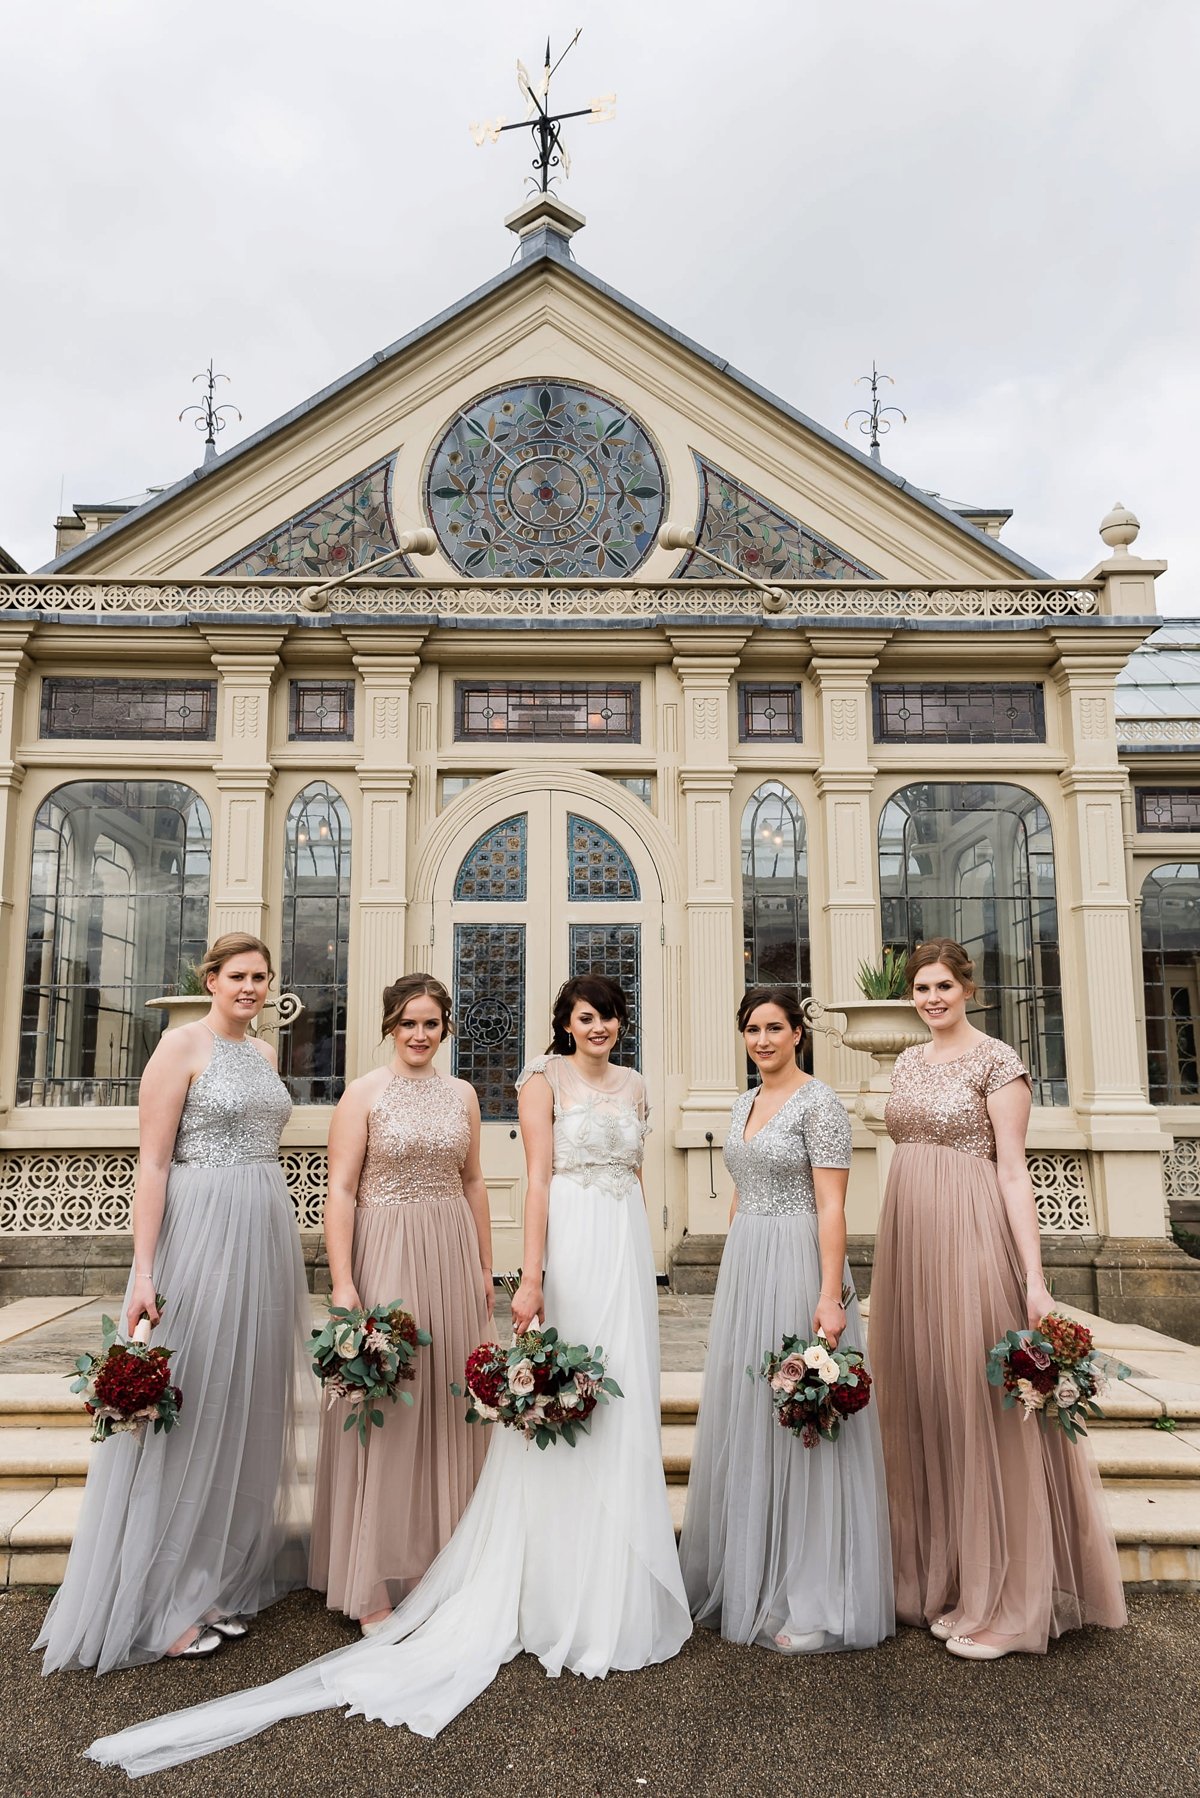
544, 124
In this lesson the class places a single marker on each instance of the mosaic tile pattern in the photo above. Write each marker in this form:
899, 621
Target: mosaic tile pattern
545, 480
495, 866
552, 710
755, 537
597, 867
337, 534
616, 951
489, 1012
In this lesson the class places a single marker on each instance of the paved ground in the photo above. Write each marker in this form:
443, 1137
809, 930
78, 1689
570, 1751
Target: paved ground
1101, 1716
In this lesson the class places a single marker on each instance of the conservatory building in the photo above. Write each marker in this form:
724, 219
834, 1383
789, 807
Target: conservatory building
841, 713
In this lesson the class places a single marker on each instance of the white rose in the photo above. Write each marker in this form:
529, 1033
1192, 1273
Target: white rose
1066, 1392
346, 1345
830, 1372
814, 1356
520, 1378
568, 1399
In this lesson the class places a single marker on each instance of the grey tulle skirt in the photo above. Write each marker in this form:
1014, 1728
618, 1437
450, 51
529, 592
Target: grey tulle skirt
778, 1536
214, 1516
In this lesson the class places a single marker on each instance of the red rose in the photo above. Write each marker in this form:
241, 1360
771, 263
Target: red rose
487, 1373
1025, 1367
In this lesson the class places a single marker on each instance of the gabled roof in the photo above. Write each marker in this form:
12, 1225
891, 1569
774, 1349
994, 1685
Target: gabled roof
545, 246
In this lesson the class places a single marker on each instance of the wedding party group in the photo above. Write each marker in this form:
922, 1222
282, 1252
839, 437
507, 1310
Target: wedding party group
516, 1501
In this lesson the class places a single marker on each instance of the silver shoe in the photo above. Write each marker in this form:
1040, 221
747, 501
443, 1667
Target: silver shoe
206, 1643
229, 1627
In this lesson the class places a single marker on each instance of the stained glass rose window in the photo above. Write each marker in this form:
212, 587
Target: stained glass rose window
543, 480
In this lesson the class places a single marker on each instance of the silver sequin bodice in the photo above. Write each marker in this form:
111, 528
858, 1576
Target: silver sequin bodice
235, 1111
773, 1171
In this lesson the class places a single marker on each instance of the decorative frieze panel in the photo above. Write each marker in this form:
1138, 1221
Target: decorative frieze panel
1134, 732
1060, 1188
1181, 1169
89, 1192
307, 1174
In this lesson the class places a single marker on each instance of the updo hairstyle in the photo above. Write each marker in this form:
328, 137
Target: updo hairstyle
226, 948
942, 949
413, 986
788, 1001
596, 990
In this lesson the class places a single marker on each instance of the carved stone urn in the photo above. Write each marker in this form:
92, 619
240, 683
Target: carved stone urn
187, 1008
881, 1028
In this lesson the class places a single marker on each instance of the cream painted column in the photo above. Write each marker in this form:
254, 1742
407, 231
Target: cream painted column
387, 661
841, 669
1100, 1009
246, 662
14, 670
705, 662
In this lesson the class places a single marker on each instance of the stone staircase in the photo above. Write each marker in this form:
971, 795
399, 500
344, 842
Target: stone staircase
1150, 1470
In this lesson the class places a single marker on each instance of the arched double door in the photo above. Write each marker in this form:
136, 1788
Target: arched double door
529, 892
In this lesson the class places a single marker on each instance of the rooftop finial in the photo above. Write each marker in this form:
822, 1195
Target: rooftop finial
875, 422
544, 124
210, 419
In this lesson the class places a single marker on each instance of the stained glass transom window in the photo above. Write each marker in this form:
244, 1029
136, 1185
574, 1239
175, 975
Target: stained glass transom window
616, 951
754, 536
316, 943
1171, 969
1168, 808
975, 862
545, 480
765, 712
597, 867
489, 1013
129, 711
551, 710
494, 867
959, 712
337, 534
319, 710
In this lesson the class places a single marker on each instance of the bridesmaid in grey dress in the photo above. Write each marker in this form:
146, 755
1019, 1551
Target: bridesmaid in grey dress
181, 1536
784, 1546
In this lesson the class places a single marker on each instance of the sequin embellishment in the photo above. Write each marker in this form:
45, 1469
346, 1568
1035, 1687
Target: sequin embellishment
945, 1103
234, 1111
418, 1137
773, 1171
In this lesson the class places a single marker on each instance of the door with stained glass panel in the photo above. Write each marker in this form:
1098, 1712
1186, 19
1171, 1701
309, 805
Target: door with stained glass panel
528, 895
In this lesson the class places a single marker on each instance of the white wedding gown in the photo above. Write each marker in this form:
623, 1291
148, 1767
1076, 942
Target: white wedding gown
565, 1553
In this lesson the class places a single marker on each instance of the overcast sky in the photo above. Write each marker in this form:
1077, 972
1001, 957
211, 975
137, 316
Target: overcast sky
998, 202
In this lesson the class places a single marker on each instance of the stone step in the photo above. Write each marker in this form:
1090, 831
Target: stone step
55, 1454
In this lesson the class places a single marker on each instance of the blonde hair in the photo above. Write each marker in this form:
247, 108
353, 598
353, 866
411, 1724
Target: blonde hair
225, 948
950, 954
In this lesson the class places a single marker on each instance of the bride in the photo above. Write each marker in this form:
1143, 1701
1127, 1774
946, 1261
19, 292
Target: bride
565, 1553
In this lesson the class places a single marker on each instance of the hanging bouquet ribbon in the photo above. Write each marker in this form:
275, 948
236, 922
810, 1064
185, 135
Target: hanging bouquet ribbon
128, 1384
1055, 1373
364, 1355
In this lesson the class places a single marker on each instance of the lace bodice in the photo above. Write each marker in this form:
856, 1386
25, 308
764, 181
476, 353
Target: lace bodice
598, 1136
418, 1137
773, 1171
945, 1103
234, 1111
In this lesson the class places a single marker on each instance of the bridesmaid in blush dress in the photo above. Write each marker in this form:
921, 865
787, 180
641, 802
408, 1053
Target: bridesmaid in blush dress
1000, 1536
406, 1218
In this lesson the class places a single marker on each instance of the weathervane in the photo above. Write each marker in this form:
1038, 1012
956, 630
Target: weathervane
544, 124
875, 421
210, 420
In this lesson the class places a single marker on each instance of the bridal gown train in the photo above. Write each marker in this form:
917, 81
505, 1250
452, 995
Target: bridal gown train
565, 1553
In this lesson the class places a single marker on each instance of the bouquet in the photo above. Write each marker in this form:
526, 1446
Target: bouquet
541, 1386
127, 1385
813, 1387
1054, 1371
364, 1355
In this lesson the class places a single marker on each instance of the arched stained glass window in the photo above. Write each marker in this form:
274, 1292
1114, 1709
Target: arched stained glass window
597, 867
975, 862
316, 939
775, 889
494, 867
1171, 970
118, 908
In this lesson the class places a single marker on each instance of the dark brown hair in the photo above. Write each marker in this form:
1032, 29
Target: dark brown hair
788, 1001
226, 948
412, 986
942, 949
596, 990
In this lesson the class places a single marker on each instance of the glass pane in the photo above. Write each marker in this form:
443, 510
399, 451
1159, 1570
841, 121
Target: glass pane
616, 951
550, 710
340, 532
1171, 972
494, 867
118, 909
775, 894
597, 867
756, 538
316, 940
321, 709
129, 710
959, 712
489, 1013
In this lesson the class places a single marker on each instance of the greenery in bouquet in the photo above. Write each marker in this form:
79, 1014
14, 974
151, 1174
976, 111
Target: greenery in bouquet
545, 1388
1054, 1373
813, 1387
364, 1355
128, 1384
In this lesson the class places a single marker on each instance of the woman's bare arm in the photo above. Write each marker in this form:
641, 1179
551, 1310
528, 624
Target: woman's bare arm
829, 1187
176, 1062
1009, 1109
476, 1193
536, 1112
347, 1149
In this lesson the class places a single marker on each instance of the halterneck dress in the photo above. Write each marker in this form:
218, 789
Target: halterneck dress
212, 1518
564, 1553
778, 1537
998, 1525
383, 1511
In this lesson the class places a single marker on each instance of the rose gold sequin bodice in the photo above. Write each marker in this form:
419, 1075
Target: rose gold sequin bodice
946, 1104
418, 1135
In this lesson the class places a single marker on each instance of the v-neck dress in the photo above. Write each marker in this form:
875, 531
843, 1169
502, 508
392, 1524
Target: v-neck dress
779, 1537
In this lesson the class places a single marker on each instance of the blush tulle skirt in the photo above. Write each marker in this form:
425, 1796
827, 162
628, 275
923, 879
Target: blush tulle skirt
997, 1524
